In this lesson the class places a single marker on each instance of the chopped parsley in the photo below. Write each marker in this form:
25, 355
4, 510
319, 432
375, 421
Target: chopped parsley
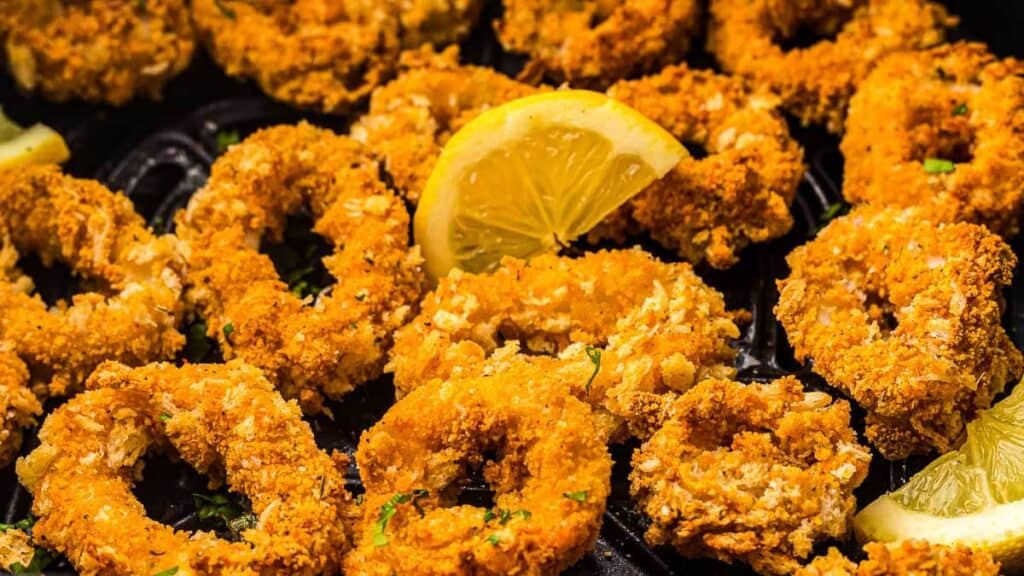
227, 139
580, 496
831, 212
23, 524
494, 540
960, 110
165, 417
40, 560
504, 516
226, 10
169, 572
228, 329
219, 508
938, 166
388, 510
594, 354
359, 499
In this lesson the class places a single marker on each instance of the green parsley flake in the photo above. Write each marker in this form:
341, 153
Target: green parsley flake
165, 417
227, 139
228, 329
580, 496
960, 110
505, 516
222, 509
388, 510
23, 524
938, 166
40, 560
169, 572
595, 358
494, 540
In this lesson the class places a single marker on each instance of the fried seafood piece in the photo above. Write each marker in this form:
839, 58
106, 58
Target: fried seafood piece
224, 420
96, 50
748, 37
942, 128
132, 308
19, 407
709, 208
621, 327
413, 116
757, 473
903, 315
593, 43
318, 345
539, 449
325, 56
907, 558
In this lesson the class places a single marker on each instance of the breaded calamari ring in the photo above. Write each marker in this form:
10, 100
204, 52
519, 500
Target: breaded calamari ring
325, 344
816, 83
904, 315
645, 327
224, 420
551, 477
19, 407
133, 308
322, 55
758, 473
411, 117
910, 557
709, 208
956, 104
593, 43
96, 50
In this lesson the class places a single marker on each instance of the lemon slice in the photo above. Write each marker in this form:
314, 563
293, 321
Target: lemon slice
534, 174
974, 496
36, 145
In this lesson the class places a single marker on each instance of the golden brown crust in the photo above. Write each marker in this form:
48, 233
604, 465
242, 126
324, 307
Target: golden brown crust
593, 43
225, 420
657, 327
757, 473
96, 50
551, 476
816, 83
19, 407
323, 345
710, 208
131, 314
904, 316
957, 103
907, 558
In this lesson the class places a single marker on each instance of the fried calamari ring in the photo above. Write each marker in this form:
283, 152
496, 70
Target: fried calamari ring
594, 43
904, 316
96, 50
910, 557
133, 308
816, 82
653, 329
551, 477
952, 104
321, 55
325, 344
18, 405
709, 208
225, 420
758, 473
412, 117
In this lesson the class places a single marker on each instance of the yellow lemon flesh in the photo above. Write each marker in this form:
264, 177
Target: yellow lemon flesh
534, 174
35, 145
974, 496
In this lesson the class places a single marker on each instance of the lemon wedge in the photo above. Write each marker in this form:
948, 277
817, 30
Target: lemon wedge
35, 145
973, 496
534, 174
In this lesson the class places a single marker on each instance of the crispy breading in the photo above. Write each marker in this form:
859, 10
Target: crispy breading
709, 208
904, 315
15, 548
226, 421
133, 308
593, 43
816, 82
757, 473
325, 344
957, 103
907, 558
540, 451
19, 407
96, 50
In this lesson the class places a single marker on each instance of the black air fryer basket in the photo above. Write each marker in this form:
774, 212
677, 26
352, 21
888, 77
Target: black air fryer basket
159, 153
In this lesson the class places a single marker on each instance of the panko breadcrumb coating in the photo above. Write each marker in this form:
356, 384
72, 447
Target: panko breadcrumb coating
756, 473
19, 407
710, 208
96, 50
224, 420
132, 308
956, 104
322, 55
816, 83
904, 315
907, 558
593, 43
551, 477
648, 327
15, 548
322, 345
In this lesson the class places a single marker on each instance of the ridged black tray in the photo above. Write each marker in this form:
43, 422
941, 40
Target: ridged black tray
159, 153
